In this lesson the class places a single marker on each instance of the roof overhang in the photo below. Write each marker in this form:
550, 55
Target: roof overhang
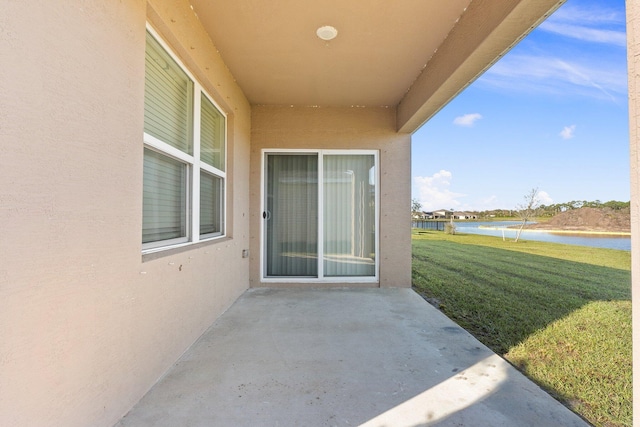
412, 55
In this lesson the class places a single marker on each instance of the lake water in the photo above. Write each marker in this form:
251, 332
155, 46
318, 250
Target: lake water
476, 227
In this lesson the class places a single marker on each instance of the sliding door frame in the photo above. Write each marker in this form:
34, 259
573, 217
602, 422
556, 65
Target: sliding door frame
320, 258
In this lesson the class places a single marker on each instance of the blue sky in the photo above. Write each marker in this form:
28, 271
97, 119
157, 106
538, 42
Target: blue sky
551, 114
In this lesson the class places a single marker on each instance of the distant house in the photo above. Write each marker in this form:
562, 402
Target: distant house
421, 215
464, 215
442, 214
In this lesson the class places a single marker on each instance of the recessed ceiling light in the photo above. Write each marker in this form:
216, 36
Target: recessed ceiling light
327, 32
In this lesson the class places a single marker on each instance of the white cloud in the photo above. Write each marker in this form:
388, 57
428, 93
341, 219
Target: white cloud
556, 64
595, 24
433, 191
613, 37
467, 119
488, 203
482, 203
544, 198
595, 14
548, 74
568, 132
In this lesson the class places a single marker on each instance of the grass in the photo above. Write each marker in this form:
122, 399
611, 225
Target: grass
560, 313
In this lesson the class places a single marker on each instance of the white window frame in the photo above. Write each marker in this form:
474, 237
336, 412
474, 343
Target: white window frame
193, 163
263, 230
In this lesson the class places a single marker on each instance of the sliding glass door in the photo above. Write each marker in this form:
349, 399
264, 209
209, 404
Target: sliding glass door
349, 216
320, 215
291, 216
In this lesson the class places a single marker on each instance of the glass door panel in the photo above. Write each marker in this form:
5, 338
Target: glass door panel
291, 215
349, 219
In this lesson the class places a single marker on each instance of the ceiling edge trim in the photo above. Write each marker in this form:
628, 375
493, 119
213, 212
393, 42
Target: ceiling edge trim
485, 32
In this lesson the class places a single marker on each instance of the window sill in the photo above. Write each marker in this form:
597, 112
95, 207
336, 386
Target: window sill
184, 247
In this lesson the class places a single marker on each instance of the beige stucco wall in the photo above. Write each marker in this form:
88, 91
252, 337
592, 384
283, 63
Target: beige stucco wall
342, 128
633, 48
87, 325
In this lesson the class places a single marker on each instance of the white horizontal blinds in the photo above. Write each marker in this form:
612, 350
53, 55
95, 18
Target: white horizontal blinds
164, 198
211, 196
212, 134
168, 99
184, 156
349, 215
292, 215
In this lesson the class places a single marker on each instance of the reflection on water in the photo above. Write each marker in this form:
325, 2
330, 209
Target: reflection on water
598, 241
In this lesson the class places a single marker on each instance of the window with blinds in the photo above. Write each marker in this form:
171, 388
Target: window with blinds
164, 201
184, 155
168, 99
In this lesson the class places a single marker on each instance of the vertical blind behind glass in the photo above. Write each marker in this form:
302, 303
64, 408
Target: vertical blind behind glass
349, 215
292, 215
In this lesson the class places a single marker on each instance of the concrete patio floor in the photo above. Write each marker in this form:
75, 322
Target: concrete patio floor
342, 357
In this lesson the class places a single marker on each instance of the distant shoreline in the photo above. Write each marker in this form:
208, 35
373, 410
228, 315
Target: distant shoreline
552, 231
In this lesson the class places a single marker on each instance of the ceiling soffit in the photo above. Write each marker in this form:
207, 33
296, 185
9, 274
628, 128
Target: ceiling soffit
415, 55
272, 49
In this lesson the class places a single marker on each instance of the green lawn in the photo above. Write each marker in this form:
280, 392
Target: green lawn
560, 313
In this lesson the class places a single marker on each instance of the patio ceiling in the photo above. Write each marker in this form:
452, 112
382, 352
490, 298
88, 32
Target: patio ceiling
415, 55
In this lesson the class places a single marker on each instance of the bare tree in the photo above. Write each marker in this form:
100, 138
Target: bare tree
451, 227
416, 207
528, 210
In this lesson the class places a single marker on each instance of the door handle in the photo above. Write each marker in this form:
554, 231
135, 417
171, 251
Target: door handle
266, 215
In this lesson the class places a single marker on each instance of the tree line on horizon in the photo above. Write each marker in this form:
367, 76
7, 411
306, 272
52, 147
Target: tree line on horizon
543, 210
556, 208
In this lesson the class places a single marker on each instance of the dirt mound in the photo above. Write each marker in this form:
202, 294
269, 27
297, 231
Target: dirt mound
588, 219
